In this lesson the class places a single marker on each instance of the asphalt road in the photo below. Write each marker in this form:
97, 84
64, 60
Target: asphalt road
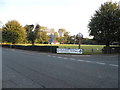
25, 69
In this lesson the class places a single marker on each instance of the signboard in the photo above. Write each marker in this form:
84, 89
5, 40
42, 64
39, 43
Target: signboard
51, 40
63, 50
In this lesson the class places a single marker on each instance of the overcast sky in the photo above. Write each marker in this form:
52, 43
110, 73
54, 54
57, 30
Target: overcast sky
72, 15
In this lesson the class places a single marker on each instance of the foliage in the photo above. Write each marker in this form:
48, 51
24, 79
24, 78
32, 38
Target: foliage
89, 41
56, 38
66, 38
117, 29
52, 31
13, 32
105, 23
42, 37
56, 34
72, 39
32, 32
61, 32
0, 32
44, 29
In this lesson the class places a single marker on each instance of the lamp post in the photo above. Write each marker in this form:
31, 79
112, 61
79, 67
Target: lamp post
79, 36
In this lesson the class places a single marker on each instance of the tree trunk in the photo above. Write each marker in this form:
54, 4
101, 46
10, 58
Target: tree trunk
107, 43
79, 43
33, 43
119, 43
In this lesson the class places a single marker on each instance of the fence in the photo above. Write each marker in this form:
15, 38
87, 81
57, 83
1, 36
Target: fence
92, 51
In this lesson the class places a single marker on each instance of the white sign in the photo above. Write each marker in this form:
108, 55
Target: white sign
63, 50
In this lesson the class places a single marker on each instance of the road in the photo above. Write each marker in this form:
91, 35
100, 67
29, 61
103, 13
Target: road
27, 69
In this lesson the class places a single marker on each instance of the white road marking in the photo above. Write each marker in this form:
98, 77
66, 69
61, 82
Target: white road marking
85, 61
92, 62
80, 60
65, 58
49, 55
59, 57
72, 59
89, 61
13, 50
113, 65
100, 63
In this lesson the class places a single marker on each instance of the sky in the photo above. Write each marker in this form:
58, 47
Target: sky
72, 15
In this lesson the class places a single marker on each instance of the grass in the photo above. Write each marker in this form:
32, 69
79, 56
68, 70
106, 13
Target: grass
88, 49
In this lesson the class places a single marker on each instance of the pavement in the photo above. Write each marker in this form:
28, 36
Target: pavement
27, 69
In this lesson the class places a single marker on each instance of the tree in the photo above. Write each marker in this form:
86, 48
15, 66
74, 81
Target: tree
32, 32
88, 41
43, 37
0, 32
61, 32
73, 39
66, 38
52, 31
13, 32
56, 36
42, 28
117, 33
104, 23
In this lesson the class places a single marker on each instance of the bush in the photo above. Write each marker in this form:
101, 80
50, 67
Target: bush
51, 49
111, 50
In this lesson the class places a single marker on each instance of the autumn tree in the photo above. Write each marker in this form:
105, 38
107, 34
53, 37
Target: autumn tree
66, 38
43, 37
13, 32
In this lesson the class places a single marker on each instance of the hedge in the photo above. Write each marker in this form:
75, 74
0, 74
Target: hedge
52, 49
111, 50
